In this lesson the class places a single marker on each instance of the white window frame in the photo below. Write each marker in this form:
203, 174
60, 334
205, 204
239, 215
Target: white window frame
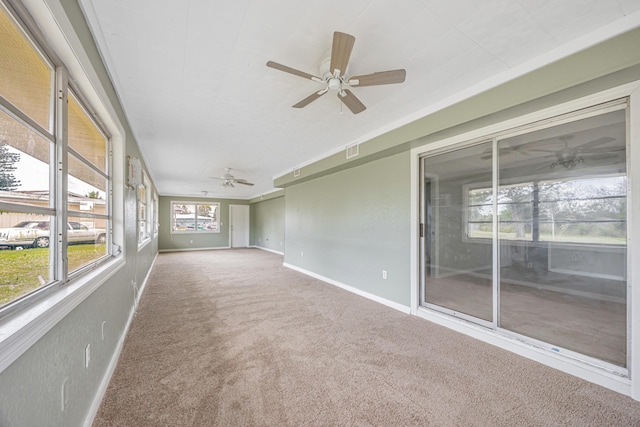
143, 196
194, 230
25, 323
58, 208
154, 214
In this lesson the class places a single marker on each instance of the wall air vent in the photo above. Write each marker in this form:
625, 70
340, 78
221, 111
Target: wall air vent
296, 172
352, 151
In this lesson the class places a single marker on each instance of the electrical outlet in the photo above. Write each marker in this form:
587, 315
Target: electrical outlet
87, 355
301, 254
102, 329
529, 265
384, 274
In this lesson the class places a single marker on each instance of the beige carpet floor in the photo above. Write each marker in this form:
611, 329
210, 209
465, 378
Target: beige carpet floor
232, 338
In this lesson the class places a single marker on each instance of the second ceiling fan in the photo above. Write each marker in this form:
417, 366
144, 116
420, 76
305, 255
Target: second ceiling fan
334, 77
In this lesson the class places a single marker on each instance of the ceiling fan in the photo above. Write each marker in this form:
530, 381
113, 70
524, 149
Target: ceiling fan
228, 180
334, 75
565, 155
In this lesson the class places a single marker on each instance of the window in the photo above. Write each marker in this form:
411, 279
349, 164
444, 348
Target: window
154, 214
578, 210
87, 186
40, 227
191, 217
144, 220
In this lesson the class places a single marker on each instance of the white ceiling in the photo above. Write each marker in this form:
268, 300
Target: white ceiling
191, 74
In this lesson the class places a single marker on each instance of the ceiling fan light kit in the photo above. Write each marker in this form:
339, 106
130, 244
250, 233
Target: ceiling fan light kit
334, 75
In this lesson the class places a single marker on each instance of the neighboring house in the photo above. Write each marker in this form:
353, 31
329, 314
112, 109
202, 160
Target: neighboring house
76, 202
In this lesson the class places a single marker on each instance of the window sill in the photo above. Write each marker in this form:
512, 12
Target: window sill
20, 330
144, 243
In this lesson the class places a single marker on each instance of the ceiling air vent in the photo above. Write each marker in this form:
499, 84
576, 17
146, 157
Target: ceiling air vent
296, 172
352, 151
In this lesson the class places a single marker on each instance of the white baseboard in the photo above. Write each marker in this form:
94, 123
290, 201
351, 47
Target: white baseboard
266, 249
194, 249
106, 379
403, 308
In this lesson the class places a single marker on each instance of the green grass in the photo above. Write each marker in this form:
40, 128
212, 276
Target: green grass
20, 271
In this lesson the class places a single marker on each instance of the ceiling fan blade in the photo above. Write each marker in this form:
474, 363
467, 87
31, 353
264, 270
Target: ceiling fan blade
596, 142
341, 52
309, 99
242, 181
293, 71
379, 78
600, 150
350, 100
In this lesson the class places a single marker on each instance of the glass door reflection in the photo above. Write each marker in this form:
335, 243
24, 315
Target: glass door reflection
457, 268
562, 227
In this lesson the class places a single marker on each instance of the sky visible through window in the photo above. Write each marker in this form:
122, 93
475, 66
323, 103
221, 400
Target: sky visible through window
33, 174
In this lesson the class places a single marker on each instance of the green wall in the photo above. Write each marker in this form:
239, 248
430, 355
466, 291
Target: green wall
267, 224
168, 241
349, 219
351, 225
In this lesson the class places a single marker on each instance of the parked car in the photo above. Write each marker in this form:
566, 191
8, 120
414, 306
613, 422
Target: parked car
35, 234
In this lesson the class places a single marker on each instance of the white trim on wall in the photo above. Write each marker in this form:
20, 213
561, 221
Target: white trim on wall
194, 249
266, 249
384, 301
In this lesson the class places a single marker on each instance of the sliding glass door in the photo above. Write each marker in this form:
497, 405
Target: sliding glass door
526, 233
458, 270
